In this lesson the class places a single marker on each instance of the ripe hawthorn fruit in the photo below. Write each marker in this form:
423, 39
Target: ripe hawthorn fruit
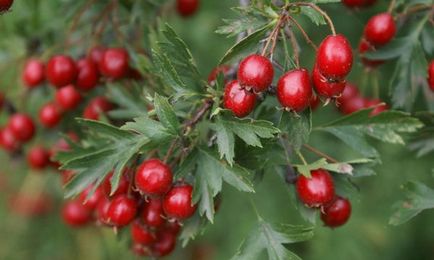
152, 214
325, 87
187, 8
317, 191
140, 234
22, 127
68, 97
380, 29
256, 72
122, 210
431, 75
38, 157
237, 99
153, 178
88, 74
33, 73
294, 90
336, 213
114, 63
334, 57
5, 5
50, 115
75, 214
61, 70
177, 203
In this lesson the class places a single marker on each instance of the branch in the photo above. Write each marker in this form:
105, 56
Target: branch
321, 154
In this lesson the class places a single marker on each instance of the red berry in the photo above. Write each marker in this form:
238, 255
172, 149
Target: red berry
337, 213
177, 203
349, 92
38, 157
152, 214
240, 101
187, 7
294, 90
317, 190
68, 97
123, 185
97, 106
22, 127
96, 54
33, 73
141, 234
102, 211
88, 74
376, 103
334, 57
90, 202
67, 176
365, 46
5, 5
256, 72
352, 105
61, 71
314, 102
122, 210
153, 178
114, 63
223, 69
50, 115
354, 3
431, 75
8, 140
380, 29
75, 214
164, 245
325, 87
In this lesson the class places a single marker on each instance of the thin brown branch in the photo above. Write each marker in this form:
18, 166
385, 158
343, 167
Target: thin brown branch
319, 10
294, 45
303, 32
319, 153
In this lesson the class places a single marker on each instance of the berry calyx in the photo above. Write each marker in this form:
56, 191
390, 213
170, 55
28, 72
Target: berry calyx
316, 191
38, 158
294, 90
187, 7
152, 214
164, 245
141, 234
50, 115
61, 71
335, 57
122, 210
68, 97
88, 74
237, 99
337, 213
75, 214
325, 87
256, 72
114, 63
431, 75
22, 127
33, 73
177, 203
153, 178
380, 29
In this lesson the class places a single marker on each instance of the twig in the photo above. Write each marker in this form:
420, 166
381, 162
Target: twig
319, 10
391, 6
303, 32
294, 44
317, 152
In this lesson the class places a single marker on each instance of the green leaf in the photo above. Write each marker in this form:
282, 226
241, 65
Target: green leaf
298, 128
152, 129
313, 15
225, 142
272, 238
306, 169
129, 102
166, 114
419, 197
392, 50
191, 228
345, 167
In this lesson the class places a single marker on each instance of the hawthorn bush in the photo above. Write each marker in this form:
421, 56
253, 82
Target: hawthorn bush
196, 129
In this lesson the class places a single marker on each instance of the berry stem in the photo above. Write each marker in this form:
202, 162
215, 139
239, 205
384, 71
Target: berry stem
294, 45
391, 6
301, 157
321, 154
170, 150
273, 35
303, 32
319, 10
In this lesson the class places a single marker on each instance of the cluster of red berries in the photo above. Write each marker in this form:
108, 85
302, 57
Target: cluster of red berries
378, 32
294, 89
352, 101
187, 8
358, 3
319, 192
150, 203
431, 75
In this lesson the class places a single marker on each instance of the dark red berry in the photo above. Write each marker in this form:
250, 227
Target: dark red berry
349, 92
153, 178
5, 5
317, 190
22, 127
177, 203
354, 3
164, 244
187, 7
152, 214
50, 115
96, 53
294, 90
365, 46
96, 107
114, 63
34, 73
223, 69
431, 75
337, 213
335, 57
91, 202
380, 29
122, 210
255, 72
38, 157
141, 234
314, 102
240, 101
8, 140
75, 214
61, 71
122, 188
102, 211
173, 227
88, 74
352, 105
379, 107
68, 97
325, 87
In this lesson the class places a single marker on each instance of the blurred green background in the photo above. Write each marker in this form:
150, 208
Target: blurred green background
366, 236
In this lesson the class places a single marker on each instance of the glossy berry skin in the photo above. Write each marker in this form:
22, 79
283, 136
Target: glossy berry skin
38, 158
97, 106
96, 53
152, 214
375, 103
114, 63
122, 210
223, 69
334, 57
349, 92
380, 29
314, 102
365, 46
61, 71
294, 90
353, 105
325, 87
22, 127
122, 188
90, 202
141, 234
358, 3
68, 97
187, 8
75, 214
337, 213
255, 72
50, 115
164, 245
153, 178
102, 211
5, 5
240, 101
316, 191
177, 203
33, 73
8, 141
88, 74
431, 75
